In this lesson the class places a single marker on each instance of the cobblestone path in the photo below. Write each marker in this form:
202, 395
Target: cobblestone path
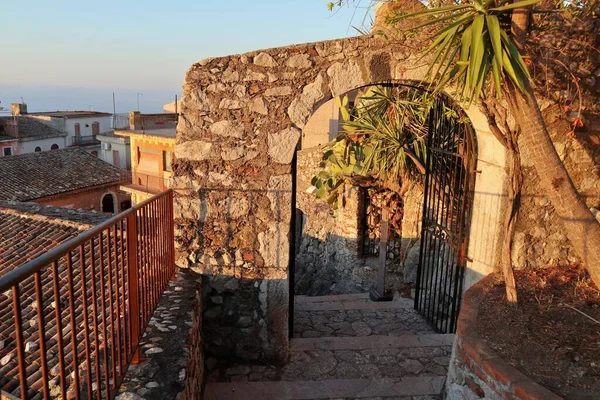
346, 347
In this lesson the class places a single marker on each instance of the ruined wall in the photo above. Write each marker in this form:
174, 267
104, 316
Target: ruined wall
240, 124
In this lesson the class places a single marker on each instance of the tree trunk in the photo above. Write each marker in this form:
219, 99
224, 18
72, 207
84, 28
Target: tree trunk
581, 227
509, 139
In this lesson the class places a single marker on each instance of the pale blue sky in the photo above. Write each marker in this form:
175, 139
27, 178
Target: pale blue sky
144, 45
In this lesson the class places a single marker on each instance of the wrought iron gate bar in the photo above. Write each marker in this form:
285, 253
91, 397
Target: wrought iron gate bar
446, 214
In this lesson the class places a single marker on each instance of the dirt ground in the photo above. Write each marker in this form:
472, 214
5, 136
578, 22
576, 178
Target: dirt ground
553, 336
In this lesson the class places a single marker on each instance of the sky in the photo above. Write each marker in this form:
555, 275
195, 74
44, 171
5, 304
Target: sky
65, 54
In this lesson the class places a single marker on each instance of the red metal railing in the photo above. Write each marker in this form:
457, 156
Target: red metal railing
79, 310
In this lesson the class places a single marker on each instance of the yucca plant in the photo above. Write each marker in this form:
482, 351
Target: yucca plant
472, 44
382, 142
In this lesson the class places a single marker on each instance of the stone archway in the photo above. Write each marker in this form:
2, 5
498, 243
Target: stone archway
236, 138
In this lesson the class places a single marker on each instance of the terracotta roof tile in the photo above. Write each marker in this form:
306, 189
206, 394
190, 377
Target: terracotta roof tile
36, 175
27, 231
33, 127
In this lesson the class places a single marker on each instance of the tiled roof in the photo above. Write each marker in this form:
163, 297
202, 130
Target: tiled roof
27, 231
32, 127
73, 114
36, 175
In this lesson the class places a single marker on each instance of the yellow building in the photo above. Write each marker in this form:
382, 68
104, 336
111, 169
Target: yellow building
152, 140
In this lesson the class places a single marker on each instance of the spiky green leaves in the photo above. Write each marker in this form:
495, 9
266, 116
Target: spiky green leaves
471, 47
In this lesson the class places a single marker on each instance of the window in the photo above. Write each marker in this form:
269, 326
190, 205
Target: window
116, 159
77, 129
38, 149
7, 151
95, 153
96, 128
167, 160
54, 147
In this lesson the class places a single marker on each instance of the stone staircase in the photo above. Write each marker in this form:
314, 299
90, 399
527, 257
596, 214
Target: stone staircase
347, 347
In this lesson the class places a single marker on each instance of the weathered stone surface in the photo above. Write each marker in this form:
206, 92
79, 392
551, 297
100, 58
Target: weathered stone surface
232, 153
303, 106
278, 91
345, 77
254, 76
230, 76
273, 246
282, 145
279, 192
265, 60
230, 104
299, 61
227, 128
196, 150
258, 105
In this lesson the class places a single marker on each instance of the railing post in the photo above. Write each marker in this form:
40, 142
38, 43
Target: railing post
171, 223
133, 285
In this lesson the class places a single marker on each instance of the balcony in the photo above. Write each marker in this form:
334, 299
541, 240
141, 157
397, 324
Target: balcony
85, 140
76, 314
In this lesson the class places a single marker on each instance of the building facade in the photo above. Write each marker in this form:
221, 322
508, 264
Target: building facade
81, 127
22, 134
115, 150
152, 140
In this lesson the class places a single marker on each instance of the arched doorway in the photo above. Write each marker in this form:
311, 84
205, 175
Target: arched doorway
108, 203
447, 209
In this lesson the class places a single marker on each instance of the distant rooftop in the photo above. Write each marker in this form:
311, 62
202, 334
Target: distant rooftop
30, 127
33, 176
159, 124
71, 114
162, 132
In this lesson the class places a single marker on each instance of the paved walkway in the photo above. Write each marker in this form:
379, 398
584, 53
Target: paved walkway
347, 347
163, 358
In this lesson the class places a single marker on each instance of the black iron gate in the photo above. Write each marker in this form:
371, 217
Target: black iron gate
448, 200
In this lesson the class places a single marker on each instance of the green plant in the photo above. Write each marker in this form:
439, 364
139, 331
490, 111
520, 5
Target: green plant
382, 142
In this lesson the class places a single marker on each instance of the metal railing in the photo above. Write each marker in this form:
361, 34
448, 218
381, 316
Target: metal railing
83, 140
79, 310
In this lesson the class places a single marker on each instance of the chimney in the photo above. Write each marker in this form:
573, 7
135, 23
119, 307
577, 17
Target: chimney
19, 108
135, 120
11, 128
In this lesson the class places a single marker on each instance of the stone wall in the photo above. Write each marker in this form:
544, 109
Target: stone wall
327, 258
476, 371
241, 120
540, 240
194, 377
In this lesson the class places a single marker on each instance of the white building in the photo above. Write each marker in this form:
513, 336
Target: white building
81, 127
115, 150
22, 134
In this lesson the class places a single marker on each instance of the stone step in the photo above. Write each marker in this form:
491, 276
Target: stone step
371, 342
359, 301
358, 319
327, 389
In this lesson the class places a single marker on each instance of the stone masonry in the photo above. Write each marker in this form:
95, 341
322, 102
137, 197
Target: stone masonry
241, 121
236, 140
